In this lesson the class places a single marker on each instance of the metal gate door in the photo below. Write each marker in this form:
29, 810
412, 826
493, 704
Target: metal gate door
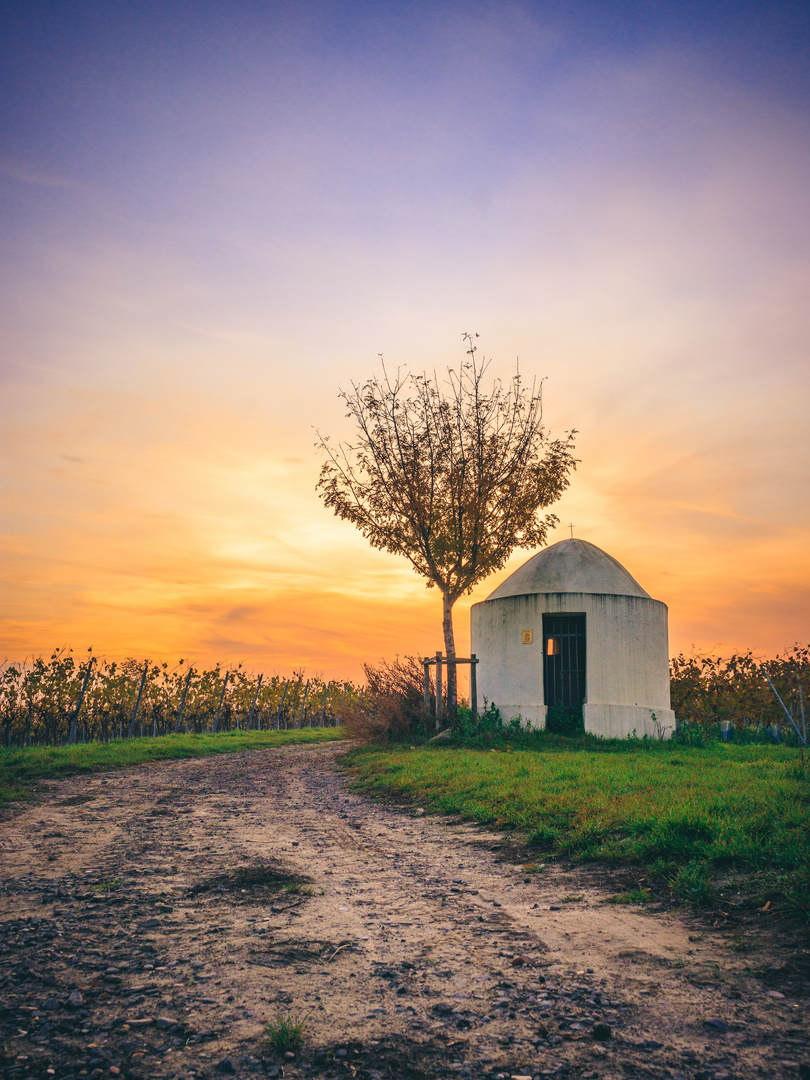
564, 659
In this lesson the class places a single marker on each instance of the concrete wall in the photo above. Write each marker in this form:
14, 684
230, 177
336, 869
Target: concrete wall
627, 659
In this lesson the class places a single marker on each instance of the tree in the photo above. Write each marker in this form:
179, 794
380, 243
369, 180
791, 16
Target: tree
450, 476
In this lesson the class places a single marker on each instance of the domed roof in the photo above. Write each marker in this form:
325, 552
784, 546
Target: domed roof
570, 566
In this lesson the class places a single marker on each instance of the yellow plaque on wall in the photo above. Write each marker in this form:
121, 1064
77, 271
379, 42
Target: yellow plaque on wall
527, 636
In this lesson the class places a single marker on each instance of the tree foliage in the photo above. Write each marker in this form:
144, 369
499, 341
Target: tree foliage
451, 475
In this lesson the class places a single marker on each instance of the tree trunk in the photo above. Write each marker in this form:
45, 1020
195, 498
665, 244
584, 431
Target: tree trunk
450, 649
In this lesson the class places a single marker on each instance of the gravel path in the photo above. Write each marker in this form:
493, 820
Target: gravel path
154, 919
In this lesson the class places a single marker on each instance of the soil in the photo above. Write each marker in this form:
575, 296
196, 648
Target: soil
154, 920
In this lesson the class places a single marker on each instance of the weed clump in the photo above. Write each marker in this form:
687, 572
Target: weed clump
107, 886
285, 1034
693, 884
632, 896
298, 888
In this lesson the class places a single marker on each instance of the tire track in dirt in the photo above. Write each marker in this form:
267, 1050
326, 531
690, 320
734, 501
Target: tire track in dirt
147, 933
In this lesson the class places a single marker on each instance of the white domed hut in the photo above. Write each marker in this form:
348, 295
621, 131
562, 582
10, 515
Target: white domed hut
570, 628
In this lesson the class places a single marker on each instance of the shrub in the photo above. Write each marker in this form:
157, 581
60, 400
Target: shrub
392, 707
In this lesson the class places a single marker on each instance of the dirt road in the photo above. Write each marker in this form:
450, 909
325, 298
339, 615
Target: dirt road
153, 919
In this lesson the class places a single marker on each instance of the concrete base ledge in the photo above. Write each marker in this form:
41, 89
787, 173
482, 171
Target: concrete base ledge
619, 721
609, 721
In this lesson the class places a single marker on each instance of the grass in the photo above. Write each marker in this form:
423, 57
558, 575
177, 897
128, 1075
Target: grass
698, 818
106, 886
300, 889
632, 896
285, 1034
20, 769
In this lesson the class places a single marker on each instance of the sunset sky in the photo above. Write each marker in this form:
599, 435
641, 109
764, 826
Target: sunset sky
215, 214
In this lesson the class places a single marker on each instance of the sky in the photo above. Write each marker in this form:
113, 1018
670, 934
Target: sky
217, 214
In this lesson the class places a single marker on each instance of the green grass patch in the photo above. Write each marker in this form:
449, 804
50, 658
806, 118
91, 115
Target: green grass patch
632, 896
285, 1034
106, 886
696, 817
19, 769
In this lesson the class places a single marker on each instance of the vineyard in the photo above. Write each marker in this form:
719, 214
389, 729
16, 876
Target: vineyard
57, 702
742, 693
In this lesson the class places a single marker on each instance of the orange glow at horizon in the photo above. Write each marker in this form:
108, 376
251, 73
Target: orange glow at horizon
230, 557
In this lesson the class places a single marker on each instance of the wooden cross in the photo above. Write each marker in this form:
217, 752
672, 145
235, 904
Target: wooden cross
571, 527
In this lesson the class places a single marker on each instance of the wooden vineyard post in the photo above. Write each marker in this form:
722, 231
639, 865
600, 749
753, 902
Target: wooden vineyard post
440, 661
439, 692
255, 699
215, 725
339, 716
473, 688
303, 706
138, 700
72, 736
183, 703
281, 704
323, 706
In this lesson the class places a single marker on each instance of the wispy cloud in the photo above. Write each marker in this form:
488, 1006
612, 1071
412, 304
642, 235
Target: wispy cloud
12, 170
